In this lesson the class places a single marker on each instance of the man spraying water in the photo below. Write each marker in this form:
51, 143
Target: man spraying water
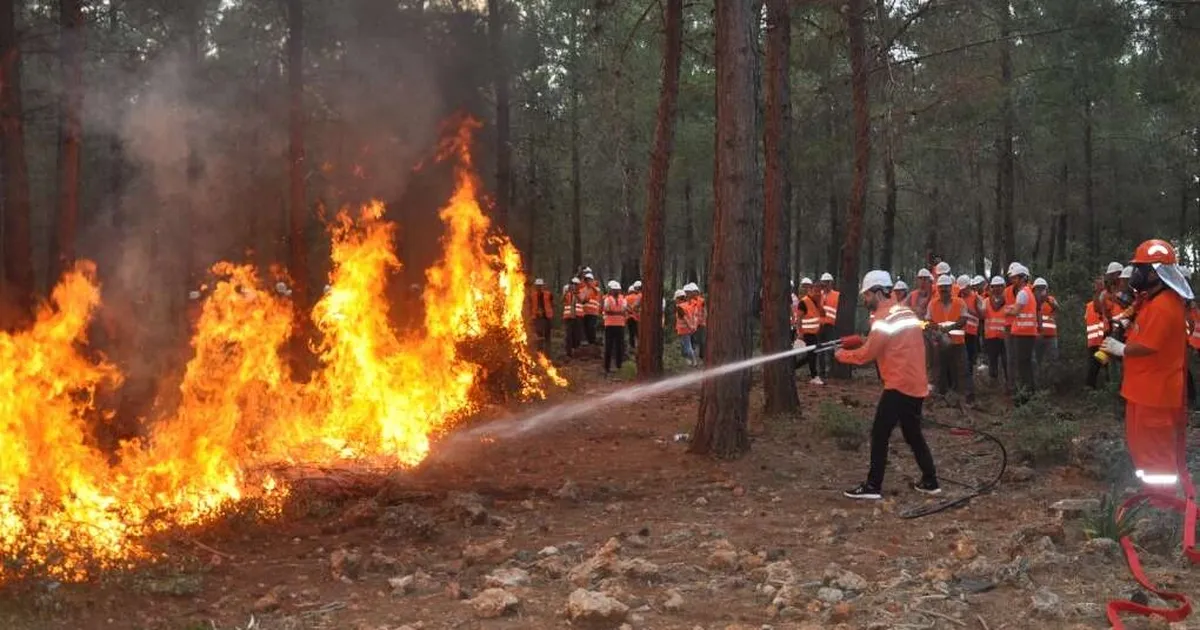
896, 343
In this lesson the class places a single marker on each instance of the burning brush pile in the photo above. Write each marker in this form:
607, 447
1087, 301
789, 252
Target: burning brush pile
67, 509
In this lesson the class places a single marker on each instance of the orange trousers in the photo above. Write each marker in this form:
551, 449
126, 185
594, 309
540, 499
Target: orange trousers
1157, 440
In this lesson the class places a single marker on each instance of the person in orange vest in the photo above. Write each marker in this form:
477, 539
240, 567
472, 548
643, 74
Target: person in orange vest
589, 295
810, 316
633, 312
829, 308
700, 315
979, 287
541, 309
900, 292
1155, 370
614, 307
974, 306
1095, 329
896, 344
1021, 309
948, 315
995, 332
685, 325
918, 300
1045, 351
573, 316
943, 269
794, 313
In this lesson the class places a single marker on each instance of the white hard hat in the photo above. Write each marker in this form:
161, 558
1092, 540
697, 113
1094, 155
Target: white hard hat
614, 285
827, 277
566, 287
539, 283
587, 270
874, 279
680, 294
1017, 269
691, 286
637, 284
281, 288
193, 295
977, 280
900, 286
1040, 282
1113, 267
924, 273
327, 289
805, 282
963, 281
945, 280
588, 275
942, 268
574, 280
997, 281
1127, 272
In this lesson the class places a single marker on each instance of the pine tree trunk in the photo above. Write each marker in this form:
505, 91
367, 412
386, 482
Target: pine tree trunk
500, 84
535, 199
116, 161
849, 269
650, 343
1089, 201
722, 424
297, 199
977, 186
779, 381
690, 268
576, 175
889, 208
18, 251
798, 237
62, 249
1006, 157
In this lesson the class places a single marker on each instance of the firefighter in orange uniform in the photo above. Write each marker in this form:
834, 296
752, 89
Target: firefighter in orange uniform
614, 326
1045, 349
572, 316
829, 308
1155, 365
810, 328
1021, 309
974, 312
685, 325
700, 315
1095, 327
949, 315
896, 344
541, 309
995, 348
589, 296
633, 312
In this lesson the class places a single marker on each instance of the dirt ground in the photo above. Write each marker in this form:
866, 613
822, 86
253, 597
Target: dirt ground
613, 504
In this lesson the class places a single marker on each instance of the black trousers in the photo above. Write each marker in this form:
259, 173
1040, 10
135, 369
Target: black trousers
1023, 348
828, 333
614, 346
811, 357
896, 408
574, 334
950, 369
997, 358
541, 327
972, 353
699, 340
589, 328
632, 327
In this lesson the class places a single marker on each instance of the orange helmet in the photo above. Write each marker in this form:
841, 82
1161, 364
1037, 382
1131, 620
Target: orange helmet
1155, 250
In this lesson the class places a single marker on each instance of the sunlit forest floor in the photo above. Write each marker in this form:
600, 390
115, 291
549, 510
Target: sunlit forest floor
613, 504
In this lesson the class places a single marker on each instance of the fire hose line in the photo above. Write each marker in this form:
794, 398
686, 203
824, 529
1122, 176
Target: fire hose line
974, 491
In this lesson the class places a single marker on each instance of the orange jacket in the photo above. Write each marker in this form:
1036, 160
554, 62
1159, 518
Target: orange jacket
897, 345
1048, 328
633, 306
829, 308
940, 313
614, 310
685, 320
1095, 326
540, 304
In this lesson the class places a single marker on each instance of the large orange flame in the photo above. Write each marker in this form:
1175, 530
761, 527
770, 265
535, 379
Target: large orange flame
377, 396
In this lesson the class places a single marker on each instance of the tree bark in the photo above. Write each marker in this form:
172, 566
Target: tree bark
851, 248
297, 199
1089, 201
18, 251
116, 161
650, 343
62, 248
1006, 157
535, 199
503, 128
721, 425
977, 186
779, 381
798, 238
690, 268
576, 175
889, 207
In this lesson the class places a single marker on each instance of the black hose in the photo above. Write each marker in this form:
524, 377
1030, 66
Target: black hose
975, 491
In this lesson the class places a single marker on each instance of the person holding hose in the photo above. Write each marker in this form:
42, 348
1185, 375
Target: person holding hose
897, 345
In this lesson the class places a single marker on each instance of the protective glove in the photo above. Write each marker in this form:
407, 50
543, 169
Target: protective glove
1113, 347
852, 342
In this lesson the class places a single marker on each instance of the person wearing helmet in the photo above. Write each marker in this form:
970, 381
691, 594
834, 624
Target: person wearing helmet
614, 327
1021, 310
633, 312
919, 299
829, 308
995, 332
974, 307
979, 287
809, 316
685, 325
900, 291
700, 315
1045, 349
1155, 367
589, 296
943, 269
541, 309
896, 344
572, 316
948, 315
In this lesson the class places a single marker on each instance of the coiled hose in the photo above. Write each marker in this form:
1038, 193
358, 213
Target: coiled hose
975, 491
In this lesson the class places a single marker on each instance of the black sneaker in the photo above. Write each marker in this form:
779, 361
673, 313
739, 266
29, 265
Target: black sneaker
927, 487
864, 491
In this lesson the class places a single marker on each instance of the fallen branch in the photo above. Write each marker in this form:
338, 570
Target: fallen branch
940, 616
203, 547
982, 622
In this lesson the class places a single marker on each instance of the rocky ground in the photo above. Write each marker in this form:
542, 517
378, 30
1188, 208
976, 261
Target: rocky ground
607, 522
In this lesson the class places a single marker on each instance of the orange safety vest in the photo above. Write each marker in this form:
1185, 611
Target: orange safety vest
972, 304
540, 304
810, 316
940, 313
994, 326
1049, 327
569, 304
918, 303
614, 310
684, 321
1025, 321
1094, 325
633, 306
830, 306
699, 312
590, 297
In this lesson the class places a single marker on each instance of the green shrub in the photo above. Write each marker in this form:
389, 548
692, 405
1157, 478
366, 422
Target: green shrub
1042, 434
1109, 522
842, 424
